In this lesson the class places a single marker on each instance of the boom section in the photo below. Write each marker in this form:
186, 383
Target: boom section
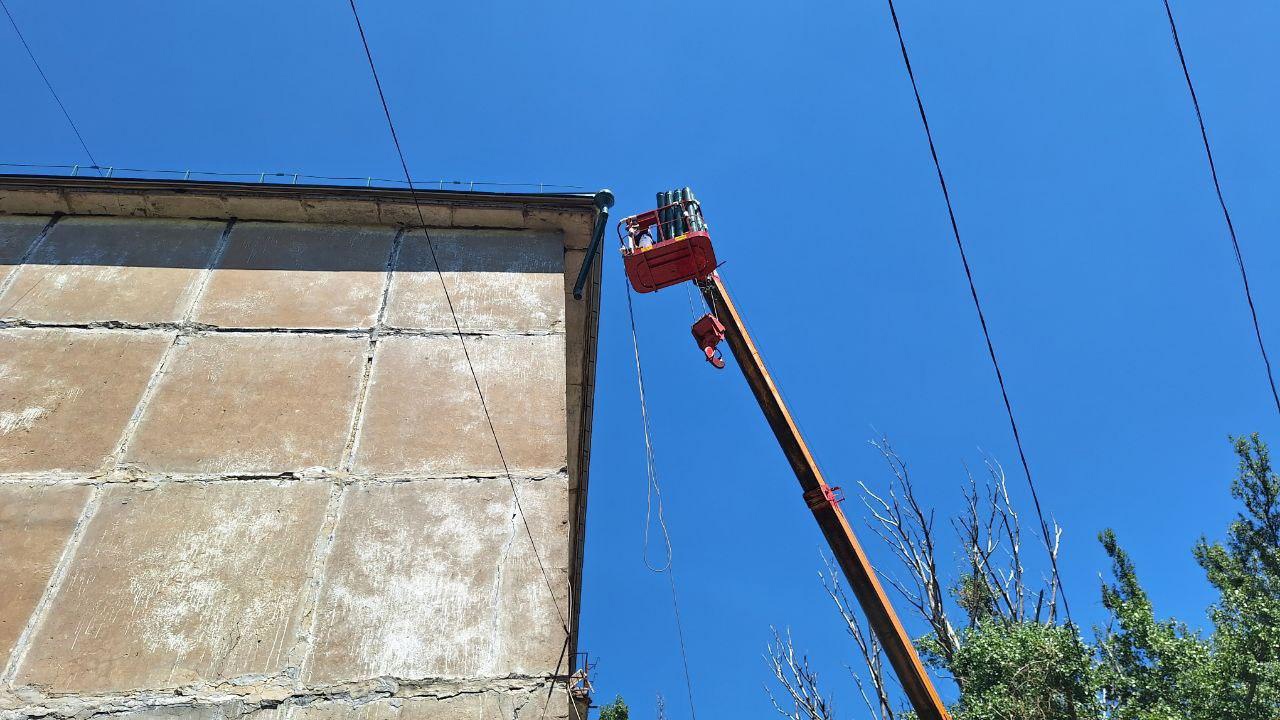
824, 503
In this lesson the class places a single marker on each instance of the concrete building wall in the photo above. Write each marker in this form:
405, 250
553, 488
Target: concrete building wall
244, 467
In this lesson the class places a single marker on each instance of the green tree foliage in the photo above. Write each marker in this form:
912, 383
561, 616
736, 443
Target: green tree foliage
1024, 670
616, 710
1154, 669
1014, 660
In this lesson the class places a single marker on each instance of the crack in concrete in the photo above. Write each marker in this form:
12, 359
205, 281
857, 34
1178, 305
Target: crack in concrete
190, 328
315, 580
495, 640
127, 475
243, 697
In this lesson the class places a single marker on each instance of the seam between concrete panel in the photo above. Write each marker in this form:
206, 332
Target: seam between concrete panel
23, 645
362, 393
12, 277
140, 476
246, 695
144, 400
162, 366
315, 579
193, 329
197, 292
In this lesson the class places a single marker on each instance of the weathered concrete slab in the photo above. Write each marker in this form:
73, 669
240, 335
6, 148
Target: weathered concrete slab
424, 414
437, 578
298, 276
432, 594
180, 583
98, 269
16, 235
499, 280
251, 403
66, 396
35, 523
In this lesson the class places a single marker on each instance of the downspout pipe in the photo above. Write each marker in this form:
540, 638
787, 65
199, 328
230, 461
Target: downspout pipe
603, 201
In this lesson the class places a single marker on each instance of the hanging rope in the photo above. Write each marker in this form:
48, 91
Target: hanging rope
654, 492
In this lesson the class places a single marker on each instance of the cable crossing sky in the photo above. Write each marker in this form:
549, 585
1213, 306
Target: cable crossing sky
982, 318
1222, 202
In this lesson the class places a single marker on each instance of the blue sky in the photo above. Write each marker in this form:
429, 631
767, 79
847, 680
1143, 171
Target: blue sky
1079, 183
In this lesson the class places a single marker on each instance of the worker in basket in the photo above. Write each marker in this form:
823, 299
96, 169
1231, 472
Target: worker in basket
667, 245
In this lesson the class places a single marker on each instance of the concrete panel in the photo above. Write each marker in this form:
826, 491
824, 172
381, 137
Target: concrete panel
97, 269
16, 235
66, 396
35, 523
424, 415
499, 280
437, 578
251, 403
180, 583
298, 276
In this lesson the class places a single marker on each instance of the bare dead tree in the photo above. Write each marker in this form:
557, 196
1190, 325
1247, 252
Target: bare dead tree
992, 583
874, 690
990, 532
903, 524
798, 681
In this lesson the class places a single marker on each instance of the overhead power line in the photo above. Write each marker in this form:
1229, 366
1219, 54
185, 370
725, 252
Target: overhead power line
982, 318
1226, 214
484, 406
47, 83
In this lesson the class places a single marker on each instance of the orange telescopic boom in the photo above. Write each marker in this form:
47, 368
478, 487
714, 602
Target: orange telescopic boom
678, 221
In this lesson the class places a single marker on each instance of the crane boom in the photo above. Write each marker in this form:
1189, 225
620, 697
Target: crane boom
671, 245
826, 509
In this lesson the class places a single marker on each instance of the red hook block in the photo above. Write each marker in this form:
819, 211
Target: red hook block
708, 332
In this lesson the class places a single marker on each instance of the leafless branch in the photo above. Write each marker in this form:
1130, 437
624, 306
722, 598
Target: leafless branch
866, 642
908, 529
798, 681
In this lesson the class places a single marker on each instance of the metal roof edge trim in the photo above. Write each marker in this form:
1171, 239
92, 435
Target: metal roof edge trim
567, 201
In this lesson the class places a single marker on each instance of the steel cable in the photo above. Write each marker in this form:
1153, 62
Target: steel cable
48, 84
457, 326
1226, 214
982, 318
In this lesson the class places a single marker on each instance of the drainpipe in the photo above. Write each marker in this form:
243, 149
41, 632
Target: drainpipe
604, 201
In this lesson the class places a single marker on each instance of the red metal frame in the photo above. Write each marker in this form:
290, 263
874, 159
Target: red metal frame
671, 259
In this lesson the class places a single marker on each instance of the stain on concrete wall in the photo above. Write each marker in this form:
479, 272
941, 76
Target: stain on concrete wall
245, 472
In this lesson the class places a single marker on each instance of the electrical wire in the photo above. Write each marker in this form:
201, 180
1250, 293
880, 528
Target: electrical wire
47, 83
1226, 214
457, 326
655, 489
982, 318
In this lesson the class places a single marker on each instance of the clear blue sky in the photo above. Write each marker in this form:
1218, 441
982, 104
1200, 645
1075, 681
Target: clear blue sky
1079, 181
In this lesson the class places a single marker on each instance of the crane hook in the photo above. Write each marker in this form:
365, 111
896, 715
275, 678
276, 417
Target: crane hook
708, 332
